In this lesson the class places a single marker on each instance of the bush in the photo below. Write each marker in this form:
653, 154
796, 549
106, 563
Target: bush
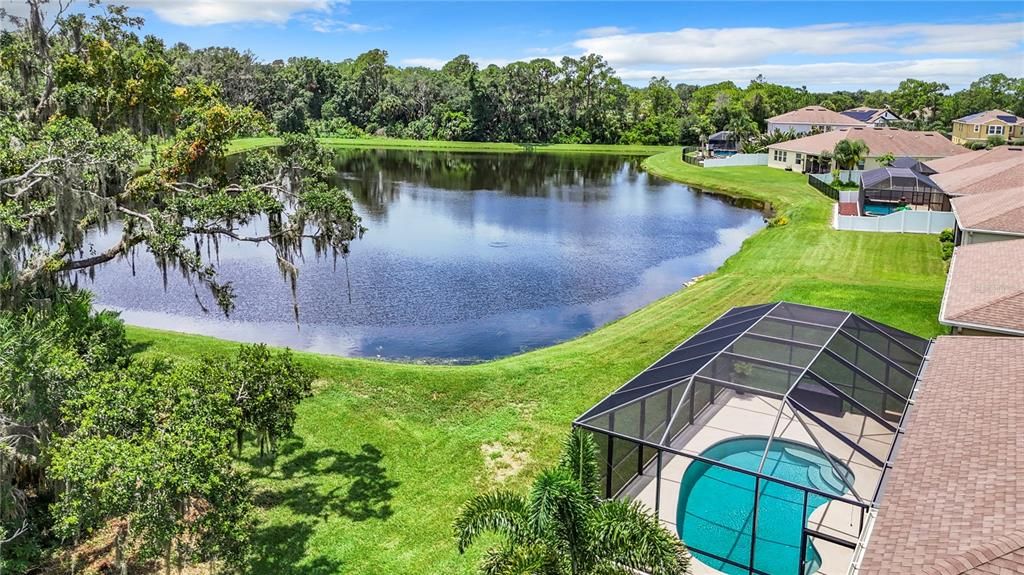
946, 235
947, 251
996, 141
1017, 142
976, 145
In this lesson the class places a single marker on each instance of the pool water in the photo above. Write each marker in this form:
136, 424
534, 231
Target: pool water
878, 209
716, 505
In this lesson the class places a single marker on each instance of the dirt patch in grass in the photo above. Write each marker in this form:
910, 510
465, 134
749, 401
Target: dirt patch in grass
503, 460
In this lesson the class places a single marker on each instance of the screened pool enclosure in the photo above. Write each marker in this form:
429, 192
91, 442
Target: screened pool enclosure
763, 440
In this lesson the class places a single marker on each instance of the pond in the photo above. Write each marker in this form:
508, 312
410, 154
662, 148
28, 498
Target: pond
467, 257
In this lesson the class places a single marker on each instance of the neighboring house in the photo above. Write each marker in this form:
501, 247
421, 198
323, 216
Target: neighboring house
978, 127
806, 154
980, 171
723, 141
873, 116
985, 289
991, 217
811, 119
952, 502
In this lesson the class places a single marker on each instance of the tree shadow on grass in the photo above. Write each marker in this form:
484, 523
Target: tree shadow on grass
318, 485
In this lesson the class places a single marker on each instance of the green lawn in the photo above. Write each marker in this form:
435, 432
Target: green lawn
385, 453
245, 144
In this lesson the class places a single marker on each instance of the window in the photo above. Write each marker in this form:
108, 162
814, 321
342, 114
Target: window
780, 156
995, 130
977, 128
799, 158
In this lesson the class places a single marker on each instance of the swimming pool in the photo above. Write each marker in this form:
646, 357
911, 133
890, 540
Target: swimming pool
716, 505
878, 209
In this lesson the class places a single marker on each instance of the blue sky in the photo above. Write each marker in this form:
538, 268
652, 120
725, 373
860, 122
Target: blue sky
825, 46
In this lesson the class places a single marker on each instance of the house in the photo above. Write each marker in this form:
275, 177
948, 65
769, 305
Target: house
811, 120
873, 116
978, 127
985, 289
952, 503
810, 154
991, 217
980, 171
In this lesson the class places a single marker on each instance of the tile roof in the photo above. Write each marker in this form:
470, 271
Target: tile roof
879, 140
815, 115
952, 503
1001, 211
985, 288
988, 116
981, 171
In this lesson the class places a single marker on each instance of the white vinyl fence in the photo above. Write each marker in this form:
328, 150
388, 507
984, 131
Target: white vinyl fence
737, 160
908, 222
844, 176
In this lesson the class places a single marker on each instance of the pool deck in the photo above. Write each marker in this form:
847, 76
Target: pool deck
735, 415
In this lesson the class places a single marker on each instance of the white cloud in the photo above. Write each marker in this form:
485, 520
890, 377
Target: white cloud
332, 25
603, 31
750, 45
956, 72
208, 12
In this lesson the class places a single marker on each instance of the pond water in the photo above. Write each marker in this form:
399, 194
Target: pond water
467, 257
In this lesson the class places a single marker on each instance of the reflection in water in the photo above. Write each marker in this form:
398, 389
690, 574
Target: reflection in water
468, 256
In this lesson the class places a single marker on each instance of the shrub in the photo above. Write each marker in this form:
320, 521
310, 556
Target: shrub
995, 141
1017, 142
946, 235
976, 145
947, 250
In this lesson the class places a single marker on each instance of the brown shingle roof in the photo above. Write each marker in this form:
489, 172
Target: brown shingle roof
985, 288
981, 172
1001, 211
815, 115
952, 503
880, 141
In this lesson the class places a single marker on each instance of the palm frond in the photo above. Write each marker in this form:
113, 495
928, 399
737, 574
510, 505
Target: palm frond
559, 512
579, 458
527, 559
500, 512
626, 534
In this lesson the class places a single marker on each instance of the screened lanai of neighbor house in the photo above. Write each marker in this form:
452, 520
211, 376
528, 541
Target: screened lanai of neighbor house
763, 440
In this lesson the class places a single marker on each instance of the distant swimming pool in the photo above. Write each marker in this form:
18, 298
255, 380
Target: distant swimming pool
715, 511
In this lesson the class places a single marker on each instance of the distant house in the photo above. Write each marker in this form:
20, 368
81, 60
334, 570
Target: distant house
811, 120
873, 116
808, 154
978, 127
985, 289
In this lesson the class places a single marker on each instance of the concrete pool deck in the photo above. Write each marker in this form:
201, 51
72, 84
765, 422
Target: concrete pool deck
734, 415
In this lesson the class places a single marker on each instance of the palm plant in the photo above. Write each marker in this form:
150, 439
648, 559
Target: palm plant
849, 153
563, 527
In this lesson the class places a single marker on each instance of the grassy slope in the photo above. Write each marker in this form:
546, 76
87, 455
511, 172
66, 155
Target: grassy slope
245, 144
331, 506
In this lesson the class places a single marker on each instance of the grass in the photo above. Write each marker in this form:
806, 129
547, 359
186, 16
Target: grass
385, 453
246, 144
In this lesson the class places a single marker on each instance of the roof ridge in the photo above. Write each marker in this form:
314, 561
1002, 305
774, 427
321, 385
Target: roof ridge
957, 564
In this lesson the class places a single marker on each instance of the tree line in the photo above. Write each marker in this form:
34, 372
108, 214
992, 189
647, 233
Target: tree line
118, 79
